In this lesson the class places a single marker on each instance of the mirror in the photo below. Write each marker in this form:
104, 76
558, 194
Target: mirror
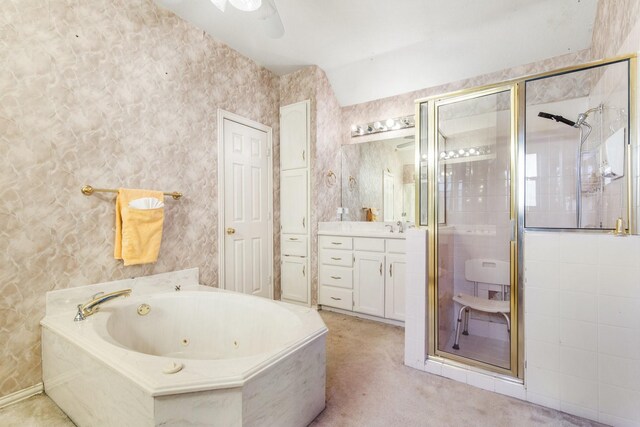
379, 175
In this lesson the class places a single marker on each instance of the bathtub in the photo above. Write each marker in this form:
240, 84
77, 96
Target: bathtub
199, 356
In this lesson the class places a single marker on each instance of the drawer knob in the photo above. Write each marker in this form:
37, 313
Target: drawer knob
293, 238
337, 299
335, 258
336, 277
336, 243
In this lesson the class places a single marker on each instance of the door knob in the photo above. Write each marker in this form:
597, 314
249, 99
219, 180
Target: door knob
231, 231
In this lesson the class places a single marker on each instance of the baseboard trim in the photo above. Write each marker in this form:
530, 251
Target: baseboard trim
19, 395
361, 315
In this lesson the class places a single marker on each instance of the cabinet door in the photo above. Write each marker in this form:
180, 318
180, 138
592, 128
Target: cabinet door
394, 287
293, 201
294, 136
294, 273
368, 288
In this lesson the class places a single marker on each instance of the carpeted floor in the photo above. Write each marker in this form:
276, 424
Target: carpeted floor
368, 385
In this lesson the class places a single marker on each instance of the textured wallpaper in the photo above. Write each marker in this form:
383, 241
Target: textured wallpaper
616, 30
108, 93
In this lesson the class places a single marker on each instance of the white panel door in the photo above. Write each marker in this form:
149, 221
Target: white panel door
294, 136
294, 279
368, 288
293, 201
246, 210
394, 287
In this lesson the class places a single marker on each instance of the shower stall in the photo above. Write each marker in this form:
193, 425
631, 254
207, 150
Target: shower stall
549, 152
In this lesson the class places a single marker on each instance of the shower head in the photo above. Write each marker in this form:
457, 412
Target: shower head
581, 119
557, 118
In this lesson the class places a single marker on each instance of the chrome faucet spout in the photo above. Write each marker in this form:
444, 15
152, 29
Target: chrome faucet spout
92, 306
390, 227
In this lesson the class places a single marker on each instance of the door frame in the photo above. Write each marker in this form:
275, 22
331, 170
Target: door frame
222, 115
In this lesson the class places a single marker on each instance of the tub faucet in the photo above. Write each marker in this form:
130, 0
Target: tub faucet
400, 227
89, 308
390, 227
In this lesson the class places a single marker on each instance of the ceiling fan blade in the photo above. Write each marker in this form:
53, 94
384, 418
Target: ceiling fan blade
220, 4
271, 22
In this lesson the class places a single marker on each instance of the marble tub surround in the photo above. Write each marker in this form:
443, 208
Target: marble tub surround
363, 229
65, 301
91, 369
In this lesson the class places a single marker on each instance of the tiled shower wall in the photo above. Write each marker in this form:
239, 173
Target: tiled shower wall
582, 330
108, 93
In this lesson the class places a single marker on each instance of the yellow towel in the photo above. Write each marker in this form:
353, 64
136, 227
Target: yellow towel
138, 231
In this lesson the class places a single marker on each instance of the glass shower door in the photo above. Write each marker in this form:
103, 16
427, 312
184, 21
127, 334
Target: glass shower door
474, 232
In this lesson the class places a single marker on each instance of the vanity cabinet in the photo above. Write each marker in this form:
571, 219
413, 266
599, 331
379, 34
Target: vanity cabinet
368, 290
295, 203
394, 291
362, 275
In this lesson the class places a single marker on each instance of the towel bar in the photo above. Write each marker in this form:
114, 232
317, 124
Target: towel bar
88, 190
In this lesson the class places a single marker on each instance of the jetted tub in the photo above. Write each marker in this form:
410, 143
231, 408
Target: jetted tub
199, 356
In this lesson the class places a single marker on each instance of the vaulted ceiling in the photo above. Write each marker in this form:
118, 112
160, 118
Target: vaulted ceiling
371, 49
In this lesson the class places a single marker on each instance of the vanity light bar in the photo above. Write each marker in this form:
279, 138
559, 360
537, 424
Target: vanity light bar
464, 152
383, 126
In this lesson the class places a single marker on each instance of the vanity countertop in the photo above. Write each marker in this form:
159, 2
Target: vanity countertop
364, 233
377, 230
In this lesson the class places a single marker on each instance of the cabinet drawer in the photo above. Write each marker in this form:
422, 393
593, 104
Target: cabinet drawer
294, 245
341, 277
396, 246
368, 244
332, 257
336, 242
336, 297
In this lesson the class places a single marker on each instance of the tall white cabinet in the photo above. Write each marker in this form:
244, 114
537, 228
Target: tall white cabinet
295, 203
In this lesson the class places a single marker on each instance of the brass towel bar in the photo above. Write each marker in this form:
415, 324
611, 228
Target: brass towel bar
88, 190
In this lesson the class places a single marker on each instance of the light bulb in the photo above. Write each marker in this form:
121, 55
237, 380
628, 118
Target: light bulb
461, 151
354, 128
246, 5
390, 123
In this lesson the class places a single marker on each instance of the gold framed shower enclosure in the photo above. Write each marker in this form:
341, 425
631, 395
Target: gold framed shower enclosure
428, 156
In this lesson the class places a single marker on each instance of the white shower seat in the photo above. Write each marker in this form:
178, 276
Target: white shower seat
487, 271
